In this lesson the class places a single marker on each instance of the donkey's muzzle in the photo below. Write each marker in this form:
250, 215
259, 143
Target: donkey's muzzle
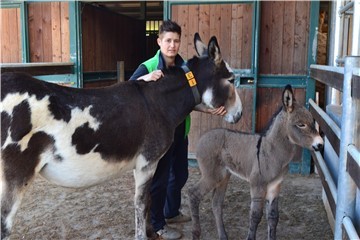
318, 143
318, 147
233, 118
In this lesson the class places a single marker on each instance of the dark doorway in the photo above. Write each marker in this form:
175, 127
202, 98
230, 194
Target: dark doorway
151, 12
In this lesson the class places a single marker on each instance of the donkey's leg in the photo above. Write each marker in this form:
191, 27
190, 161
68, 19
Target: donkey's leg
272, 199
217, 206
12, 190
11, 197
256, 210
196, 194
143, 174
149, 228
17, 171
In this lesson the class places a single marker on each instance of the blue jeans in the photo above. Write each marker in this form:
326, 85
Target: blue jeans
170, 177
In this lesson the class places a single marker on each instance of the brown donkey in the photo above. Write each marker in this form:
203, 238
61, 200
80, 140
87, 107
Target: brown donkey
262, 160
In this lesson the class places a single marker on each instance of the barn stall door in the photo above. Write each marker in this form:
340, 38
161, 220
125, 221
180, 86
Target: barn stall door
234, 25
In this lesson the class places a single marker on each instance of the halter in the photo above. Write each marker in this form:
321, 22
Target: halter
192, 83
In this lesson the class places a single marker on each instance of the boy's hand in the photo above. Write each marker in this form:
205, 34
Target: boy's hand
153, 76
221, 111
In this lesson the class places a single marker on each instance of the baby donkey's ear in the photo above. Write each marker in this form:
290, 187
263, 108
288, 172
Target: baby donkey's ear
288, 99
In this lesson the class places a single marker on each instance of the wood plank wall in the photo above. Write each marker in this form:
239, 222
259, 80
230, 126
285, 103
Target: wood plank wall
109, 37
49, 37
48, 33
284, 37
232, 25
10, 36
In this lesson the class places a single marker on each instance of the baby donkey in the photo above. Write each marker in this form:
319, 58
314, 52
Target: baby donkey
262, 160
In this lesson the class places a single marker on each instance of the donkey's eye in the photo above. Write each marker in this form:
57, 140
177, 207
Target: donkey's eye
231, 79
301, 125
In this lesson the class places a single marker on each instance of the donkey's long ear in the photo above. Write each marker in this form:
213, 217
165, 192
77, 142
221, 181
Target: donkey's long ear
288, 99
214, 50
200, 47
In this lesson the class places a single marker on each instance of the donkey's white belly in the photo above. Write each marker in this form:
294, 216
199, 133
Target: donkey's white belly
82, 170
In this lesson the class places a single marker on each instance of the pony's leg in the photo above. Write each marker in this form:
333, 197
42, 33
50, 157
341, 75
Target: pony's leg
272, 199
256, 210
143, 175
217, 206
196, 194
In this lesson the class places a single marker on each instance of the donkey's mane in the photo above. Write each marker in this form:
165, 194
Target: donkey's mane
176, 69
270, 123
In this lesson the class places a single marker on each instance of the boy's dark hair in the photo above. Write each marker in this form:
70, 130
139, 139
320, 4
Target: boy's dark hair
169, 26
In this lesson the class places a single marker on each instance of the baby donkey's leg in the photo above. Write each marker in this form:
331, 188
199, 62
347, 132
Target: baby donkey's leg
217, 206
256, 210
196, 194
272, 200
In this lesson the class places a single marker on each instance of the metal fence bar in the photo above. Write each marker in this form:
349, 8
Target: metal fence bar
356, 30
346, 7
328, 180
353, 165
354, 153
331, 76
350, 229
346, 195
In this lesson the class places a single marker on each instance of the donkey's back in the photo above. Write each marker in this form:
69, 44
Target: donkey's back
54, 130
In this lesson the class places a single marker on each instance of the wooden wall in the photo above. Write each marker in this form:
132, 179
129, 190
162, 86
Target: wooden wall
230, 23
49, 37
10, 36
48, 33
284, 37
108, 38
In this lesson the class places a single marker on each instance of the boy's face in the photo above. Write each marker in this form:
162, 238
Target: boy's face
169, 43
